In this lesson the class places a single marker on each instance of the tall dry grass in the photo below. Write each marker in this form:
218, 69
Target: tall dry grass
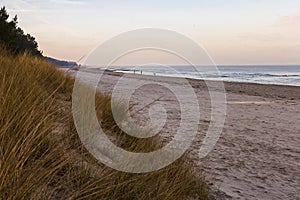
41, 156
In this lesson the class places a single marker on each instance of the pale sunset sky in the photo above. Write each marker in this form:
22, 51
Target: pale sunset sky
232, 31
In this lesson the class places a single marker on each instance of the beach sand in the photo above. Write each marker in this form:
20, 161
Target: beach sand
258, 153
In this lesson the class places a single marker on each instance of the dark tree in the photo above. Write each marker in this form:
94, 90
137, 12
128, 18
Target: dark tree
14, 38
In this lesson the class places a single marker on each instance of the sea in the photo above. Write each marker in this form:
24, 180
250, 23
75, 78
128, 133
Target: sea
267, 74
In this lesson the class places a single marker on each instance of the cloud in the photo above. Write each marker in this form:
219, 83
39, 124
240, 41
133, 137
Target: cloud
25, 6
21, 10
289, 26
285, 30
291, 20
261, 37
72, 2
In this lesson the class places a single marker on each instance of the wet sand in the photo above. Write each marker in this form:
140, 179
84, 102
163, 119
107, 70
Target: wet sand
258, 153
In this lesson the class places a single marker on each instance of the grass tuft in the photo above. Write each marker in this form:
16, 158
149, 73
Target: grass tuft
41, 156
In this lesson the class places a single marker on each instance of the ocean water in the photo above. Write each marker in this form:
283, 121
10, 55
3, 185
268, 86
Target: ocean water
278, 75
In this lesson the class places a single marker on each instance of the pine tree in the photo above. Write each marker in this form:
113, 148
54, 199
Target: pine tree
14, 38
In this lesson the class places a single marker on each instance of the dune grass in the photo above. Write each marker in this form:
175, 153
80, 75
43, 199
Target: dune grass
41, 156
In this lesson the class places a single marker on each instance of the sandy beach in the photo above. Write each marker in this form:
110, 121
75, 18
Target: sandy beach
169, 100
258, 153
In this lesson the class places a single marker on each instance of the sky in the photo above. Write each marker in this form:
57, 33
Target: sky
233, 32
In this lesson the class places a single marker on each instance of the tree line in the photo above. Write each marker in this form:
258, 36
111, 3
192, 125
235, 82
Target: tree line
13, 37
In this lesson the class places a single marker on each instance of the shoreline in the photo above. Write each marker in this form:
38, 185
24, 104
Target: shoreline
266, 90
293, 91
